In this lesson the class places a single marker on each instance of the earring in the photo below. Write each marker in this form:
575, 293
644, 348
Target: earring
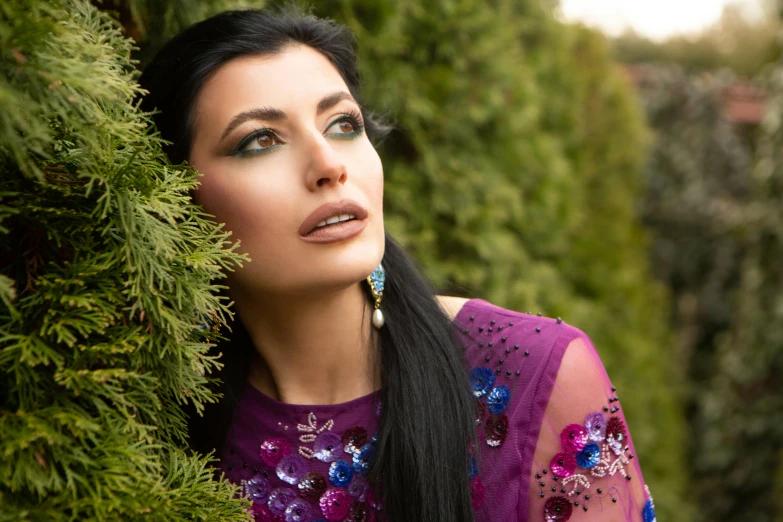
376, 281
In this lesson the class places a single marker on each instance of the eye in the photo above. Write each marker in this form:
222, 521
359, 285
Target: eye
258, 141
347, 125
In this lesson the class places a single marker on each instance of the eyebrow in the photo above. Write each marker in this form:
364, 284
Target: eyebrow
271, 114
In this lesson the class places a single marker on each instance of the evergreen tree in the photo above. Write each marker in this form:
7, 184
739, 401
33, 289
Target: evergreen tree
108, 271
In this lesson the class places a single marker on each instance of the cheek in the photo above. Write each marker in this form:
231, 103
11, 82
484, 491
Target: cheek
249, 210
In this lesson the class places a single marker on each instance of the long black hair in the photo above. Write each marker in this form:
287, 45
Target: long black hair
427, 424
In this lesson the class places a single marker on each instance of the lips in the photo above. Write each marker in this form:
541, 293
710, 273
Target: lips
331, 210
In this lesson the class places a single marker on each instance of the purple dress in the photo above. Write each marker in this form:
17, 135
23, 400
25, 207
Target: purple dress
554, 445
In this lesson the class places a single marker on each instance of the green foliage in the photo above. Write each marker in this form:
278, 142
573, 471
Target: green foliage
713, 204
744, 44
742, 404
107, 273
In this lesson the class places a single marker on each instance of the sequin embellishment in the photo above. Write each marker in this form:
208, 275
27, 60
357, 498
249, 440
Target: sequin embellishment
291, 469
344, 494
491, 402
597, 448
340, 473
481, 380
273, 450
498, 398
335, 504
557, 509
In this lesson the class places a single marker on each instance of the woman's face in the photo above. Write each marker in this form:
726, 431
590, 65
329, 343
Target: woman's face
277, 137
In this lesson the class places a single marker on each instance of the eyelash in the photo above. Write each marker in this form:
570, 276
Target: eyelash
352, 115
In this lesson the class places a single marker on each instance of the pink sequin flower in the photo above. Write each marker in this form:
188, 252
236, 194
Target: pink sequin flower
595, 424
573, 438
563, 464
335, 504
273, 450
478, 492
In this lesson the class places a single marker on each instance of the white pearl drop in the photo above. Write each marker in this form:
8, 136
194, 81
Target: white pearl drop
377, 319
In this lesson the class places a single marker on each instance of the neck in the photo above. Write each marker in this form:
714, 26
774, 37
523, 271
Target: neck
314, 349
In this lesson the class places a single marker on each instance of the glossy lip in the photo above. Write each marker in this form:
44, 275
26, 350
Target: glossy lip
332, 209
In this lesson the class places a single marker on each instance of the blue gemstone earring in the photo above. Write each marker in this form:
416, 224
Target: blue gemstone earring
376, 281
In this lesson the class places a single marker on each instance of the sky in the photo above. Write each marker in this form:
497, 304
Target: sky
656, 19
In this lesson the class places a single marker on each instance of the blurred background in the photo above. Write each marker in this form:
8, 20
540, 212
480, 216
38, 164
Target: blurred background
618, 163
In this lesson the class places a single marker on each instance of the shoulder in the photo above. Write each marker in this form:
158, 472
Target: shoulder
486, 325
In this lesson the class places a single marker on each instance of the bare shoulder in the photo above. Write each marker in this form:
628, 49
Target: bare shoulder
451, 305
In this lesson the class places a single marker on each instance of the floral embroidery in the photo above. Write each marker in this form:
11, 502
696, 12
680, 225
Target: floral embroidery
573, 437
490, 404
496, 430
481, 380
298, 511
291, 469
340, 473
273, 450
344, 494
597, 448
353, 439
595, 424
497, 400
557, 509
589, 456
257, 488
335, 504
327, 447
363, 458
279, 500
311, 431
563, 464
312, 486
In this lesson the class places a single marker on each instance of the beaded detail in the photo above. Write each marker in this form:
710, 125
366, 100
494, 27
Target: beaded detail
491, 402
307, 495
591, 450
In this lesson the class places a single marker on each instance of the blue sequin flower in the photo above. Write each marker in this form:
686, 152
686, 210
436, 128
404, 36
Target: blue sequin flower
498, 399
472, 467
363, 458
340, 473
589, 456
481, 380
648, 513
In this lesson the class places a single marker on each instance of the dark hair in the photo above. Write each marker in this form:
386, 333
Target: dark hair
427, 424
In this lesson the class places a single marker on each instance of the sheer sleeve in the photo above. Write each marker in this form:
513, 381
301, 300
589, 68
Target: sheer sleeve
584, 466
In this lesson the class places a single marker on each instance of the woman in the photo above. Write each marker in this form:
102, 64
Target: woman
351, 392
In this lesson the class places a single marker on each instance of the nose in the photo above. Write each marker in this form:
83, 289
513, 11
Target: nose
326, 166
